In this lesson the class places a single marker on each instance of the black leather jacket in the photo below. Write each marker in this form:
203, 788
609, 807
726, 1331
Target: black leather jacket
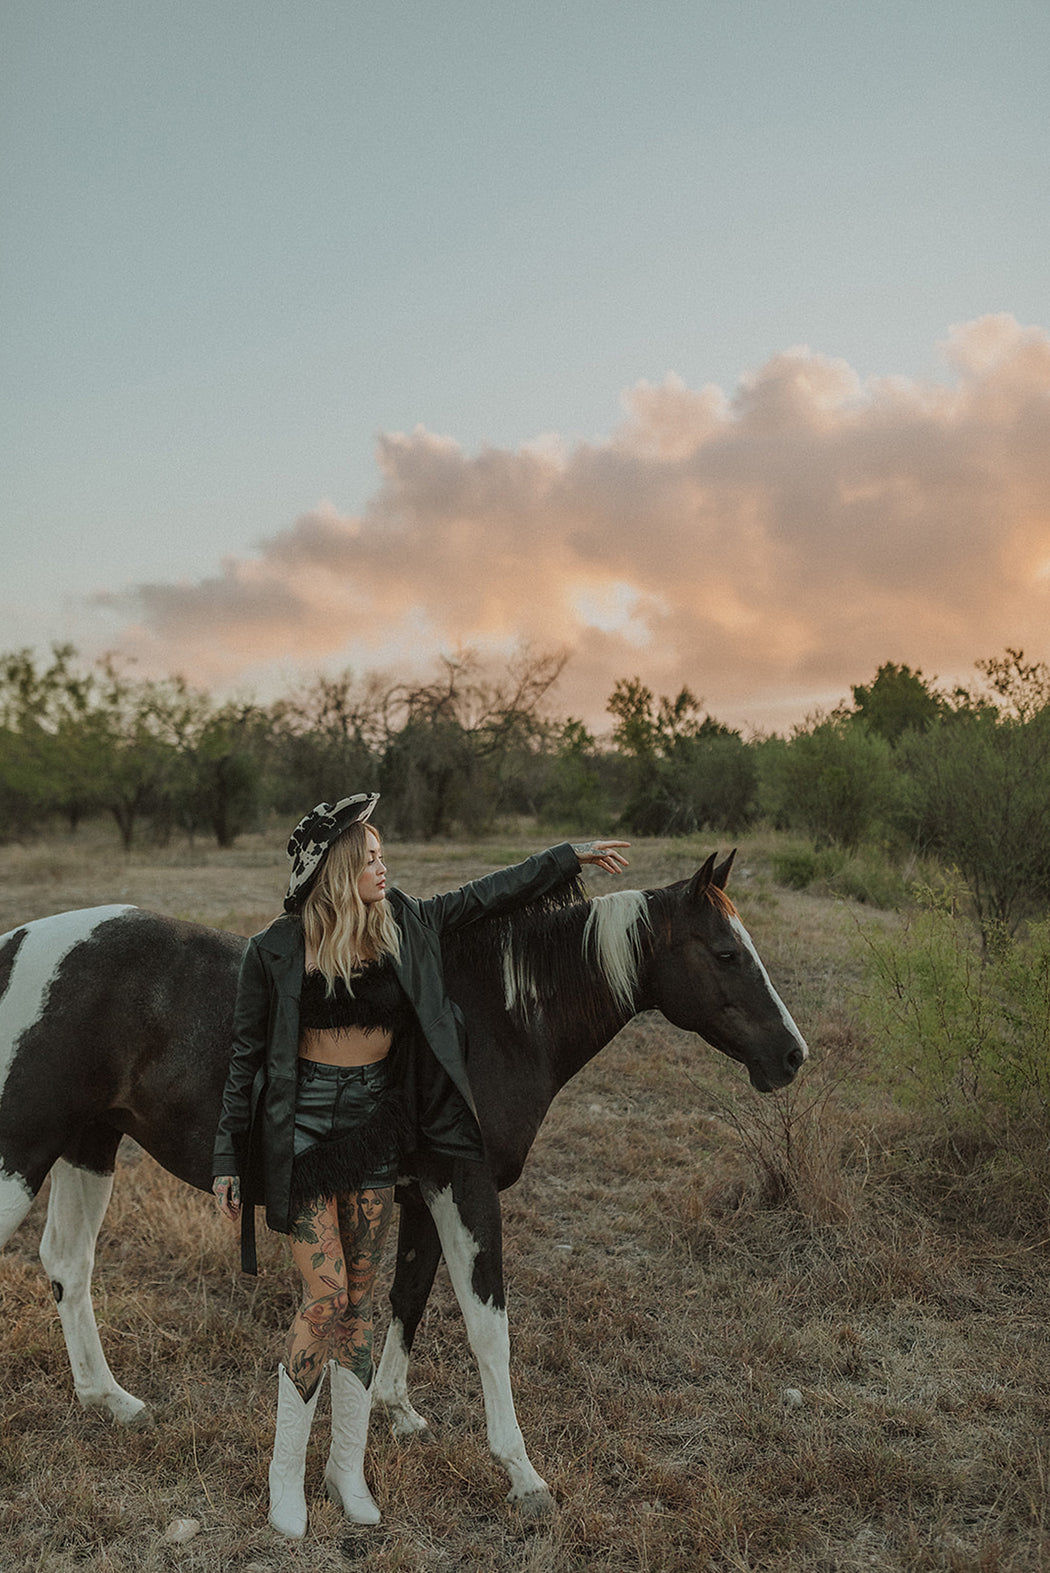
258, 1110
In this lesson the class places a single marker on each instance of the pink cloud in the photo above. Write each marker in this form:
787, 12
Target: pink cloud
764, 548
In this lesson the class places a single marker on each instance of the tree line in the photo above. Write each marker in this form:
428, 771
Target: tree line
960, 774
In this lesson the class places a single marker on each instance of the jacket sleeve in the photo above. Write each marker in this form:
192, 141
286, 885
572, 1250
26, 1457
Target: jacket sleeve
251, 1014
501, 892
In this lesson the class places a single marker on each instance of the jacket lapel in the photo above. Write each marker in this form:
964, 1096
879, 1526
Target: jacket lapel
286, 952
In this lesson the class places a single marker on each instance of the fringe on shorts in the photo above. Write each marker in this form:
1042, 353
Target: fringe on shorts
356, 1160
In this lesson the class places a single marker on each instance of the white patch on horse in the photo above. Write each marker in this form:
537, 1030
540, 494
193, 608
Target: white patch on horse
520, 994
76, 1208
15, 1201
47, 942
489, 1335
612, 941
391, 1383
613, 934
745, 939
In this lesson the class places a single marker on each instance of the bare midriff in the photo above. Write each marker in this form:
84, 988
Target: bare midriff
343, 1046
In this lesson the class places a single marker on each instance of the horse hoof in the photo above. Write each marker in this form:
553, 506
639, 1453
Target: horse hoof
128, 1411
534, 1505
138, 1419
405, 1426
122, 1407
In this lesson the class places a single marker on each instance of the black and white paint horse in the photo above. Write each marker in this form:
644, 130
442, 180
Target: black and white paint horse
115, 1021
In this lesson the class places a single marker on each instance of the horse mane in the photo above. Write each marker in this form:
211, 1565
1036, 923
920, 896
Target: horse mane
539, 950
613, 936
719, 899
583, 952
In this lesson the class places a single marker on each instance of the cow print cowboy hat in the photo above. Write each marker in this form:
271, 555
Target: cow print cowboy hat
312, 837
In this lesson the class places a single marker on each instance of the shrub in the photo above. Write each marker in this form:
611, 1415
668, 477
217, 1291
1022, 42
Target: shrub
798, 867
836, 781
872, 878
707, 782
869, 876
962, 1029
977, 794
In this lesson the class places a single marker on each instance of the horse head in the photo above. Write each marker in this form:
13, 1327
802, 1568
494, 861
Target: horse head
706, 976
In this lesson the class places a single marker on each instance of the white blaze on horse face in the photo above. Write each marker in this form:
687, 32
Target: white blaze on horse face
749, 945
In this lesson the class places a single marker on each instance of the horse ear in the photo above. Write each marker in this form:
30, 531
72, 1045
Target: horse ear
720, 877
701, 879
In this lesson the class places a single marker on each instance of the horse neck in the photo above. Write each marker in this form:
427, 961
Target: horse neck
608, 941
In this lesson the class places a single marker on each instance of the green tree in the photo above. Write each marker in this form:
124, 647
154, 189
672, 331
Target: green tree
978, 794
689, 772
646, 728
461, 747
1017, 689
225, 760
897, 700
833, 779
976, 789
144, 730
324, 741
49, 759
573, 787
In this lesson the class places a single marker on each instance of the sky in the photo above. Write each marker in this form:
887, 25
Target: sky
707, 340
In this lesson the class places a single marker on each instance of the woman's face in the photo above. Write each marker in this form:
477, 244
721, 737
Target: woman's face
371, 882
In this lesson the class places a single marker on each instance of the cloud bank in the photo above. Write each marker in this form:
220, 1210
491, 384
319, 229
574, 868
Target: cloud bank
767, 548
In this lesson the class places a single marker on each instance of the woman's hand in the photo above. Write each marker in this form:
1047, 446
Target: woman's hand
227, 1189
603, 854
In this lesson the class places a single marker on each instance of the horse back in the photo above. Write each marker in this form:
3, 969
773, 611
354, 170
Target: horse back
113, 1020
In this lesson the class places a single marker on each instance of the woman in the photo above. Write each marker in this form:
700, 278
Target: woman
347, 1056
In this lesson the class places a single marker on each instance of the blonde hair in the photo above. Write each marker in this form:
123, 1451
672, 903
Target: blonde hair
337, 925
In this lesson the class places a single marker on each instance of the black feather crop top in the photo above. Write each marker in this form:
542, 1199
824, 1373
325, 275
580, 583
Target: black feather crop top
378, 1002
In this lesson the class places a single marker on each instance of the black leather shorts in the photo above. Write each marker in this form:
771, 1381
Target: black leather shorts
342, 1108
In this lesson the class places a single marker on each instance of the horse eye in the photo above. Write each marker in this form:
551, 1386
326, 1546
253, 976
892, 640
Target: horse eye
727, 957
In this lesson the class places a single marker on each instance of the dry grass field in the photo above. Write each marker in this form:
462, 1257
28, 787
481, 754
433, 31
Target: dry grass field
748, 1334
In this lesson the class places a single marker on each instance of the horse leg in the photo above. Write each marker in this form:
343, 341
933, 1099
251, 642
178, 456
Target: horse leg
78, 1202
418, 1255
467, 1215
16, 1198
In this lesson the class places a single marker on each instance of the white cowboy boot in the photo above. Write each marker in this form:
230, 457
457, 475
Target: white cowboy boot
294, 1419
344, 1473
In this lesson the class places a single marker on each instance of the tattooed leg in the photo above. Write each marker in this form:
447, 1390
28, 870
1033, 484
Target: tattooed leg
317, 1251
364, 1223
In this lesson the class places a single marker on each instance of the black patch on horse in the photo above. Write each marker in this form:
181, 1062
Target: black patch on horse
542, 938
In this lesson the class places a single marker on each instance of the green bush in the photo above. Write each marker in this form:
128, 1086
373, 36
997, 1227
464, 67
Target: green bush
799, 867
873, 878
869, 876
963, 1030
976, 794
705, 783
832, 779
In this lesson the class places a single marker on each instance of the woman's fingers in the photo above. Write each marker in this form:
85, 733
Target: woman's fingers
604, 854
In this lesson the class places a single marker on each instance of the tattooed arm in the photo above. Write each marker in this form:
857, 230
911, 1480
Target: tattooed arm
227, 1191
